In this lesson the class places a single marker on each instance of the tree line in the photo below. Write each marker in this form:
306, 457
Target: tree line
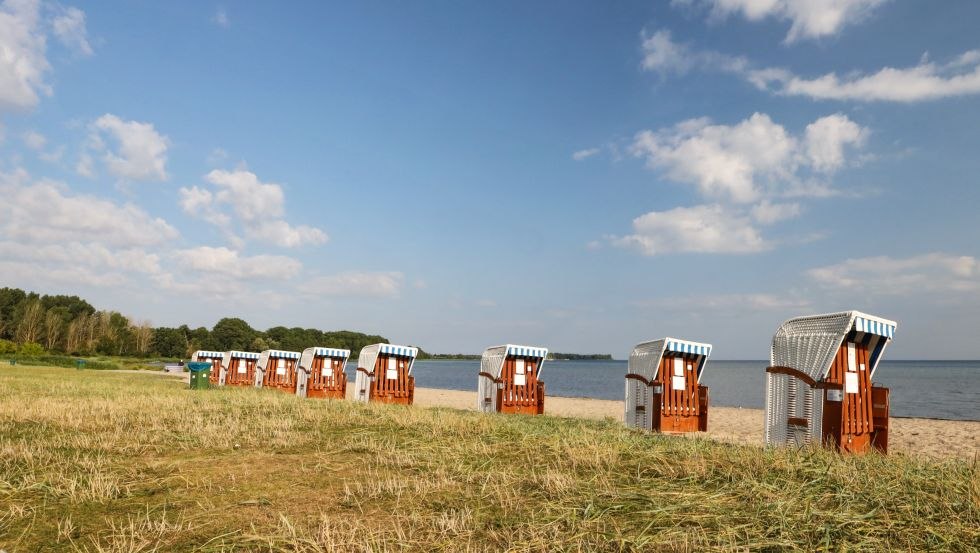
32, 324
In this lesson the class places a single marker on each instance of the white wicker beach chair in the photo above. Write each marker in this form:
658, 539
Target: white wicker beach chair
663, 386
827, 362
276, 368
321, 373
510, 380
384, 374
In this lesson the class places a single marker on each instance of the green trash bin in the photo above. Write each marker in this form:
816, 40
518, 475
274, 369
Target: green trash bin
200, 374
79, 364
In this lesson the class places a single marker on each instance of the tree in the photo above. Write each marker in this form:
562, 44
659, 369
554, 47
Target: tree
91, 332
75, 339
10, 299
259, 344
170, 342
232, 333
31, 322
54, 326
142, 336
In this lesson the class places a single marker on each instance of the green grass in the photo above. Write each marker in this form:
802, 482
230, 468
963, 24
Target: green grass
65, 361
91, 362
96, 461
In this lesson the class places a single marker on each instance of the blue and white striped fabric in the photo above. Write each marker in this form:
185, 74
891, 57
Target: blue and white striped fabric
873, 326
331, 352
527, 351
243, 355
211, 354
279, 354
683, 346
401, 351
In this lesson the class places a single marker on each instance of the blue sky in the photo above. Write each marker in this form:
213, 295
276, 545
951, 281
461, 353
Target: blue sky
576, 175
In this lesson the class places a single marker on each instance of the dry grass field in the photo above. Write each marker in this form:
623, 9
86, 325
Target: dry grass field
101, 461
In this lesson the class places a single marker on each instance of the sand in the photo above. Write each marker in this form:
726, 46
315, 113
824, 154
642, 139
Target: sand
910, 436
928, 437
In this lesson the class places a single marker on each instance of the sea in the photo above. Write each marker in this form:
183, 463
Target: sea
926, 389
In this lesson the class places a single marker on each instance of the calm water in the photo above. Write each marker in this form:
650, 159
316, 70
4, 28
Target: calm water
932, 389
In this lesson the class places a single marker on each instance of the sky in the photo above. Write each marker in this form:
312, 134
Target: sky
581, 176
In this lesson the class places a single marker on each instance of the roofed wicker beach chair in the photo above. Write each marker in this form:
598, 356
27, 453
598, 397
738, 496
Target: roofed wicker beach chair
819, 387
510, 380
321, 373
384, 374
663, 386
277, 369
238, 368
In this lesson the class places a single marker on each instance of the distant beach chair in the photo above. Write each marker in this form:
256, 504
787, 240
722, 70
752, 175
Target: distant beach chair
277, 369
321, 373
663, 386
509, 380
215, 358
384, 374
238, 368
819, 386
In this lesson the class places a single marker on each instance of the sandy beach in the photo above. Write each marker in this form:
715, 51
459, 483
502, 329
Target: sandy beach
934, 438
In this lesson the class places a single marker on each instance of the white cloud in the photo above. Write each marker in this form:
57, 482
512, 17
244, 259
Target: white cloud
43, 212
34, 140
768, 213
230, 263
91, 255
69, 27
217, 156
24, 30
366, 284
33, 275
194, 199
744, 168
221, 18
249, 197
932, 272
750, 160
826, 139
585, 154
22, 55
922, 82
54, 237
259, 208
809, 18
698, 229
283, 234
85, 166
660, 53
141, 152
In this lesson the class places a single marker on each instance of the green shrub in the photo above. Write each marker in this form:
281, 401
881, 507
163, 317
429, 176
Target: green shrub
7, 347
31, 349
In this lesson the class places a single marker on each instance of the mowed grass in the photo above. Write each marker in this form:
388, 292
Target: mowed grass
96, 461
